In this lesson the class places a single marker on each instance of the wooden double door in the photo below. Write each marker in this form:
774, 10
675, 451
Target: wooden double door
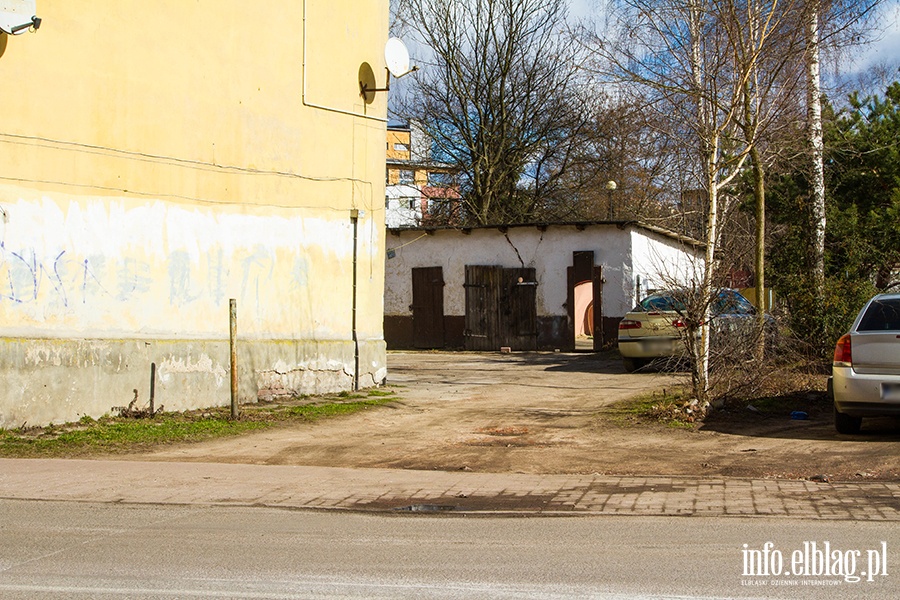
500, 308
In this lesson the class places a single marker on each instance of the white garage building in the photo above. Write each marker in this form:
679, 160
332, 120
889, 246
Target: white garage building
529, 287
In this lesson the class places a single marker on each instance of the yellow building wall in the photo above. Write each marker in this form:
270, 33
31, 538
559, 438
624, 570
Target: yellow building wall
395, 137
420, 173
158, 158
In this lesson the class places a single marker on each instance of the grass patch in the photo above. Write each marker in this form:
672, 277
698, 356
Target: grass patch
313, 412
767, 404
119, 435
116, 435
669, 406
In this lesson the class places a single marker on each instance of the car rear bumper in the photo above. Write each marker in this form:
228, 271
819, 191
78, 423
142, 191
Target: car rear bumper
654, 347
860, 395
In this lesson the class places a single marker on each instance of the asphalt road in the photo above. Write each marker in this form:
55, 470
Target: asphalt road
113, 551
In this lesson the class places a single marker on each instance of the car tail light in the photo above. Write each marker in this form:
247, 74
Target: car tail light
843, 355
629, 324
678, 323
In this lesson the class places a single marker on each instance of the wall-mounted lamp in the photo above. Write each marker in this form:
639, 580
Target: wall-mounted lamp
396, 57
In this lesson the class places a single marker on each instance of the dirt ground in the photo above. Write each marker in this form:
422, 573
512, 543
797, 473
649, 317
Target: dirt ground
548, 413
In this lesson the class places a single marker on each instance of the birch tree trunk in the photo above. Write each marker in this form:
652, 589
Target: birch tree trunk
816, 147
706, 286
708, 151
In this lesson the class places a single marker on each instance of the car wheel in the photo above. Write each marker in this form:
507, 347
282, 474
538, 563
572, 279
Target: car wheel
845, 423
632, 364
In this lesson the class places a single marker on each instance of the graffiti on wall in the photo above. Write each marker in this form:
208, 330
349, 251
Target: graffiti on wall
61, 279
58, 279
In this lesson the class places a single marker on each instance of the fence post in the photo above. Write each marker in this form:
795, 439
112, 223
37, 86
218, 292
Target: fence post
232, 313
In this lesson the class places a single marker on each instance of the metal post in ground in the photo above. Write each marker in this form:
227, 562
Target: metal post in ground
232, 311
152, 389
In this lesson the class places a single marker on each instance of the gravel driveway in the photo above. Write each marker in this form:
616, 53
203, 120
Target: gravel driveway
544, 413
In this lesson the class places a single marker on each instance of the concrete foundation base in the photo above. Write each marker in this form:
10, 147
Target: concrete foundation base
60, 380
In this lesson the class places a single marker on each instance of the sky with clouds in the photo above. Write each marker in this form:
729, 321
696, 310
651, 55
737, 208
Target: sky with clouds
885, 49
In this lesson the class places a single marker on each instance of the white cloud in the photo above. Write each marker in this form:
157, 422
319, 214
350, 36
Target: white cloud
887, 48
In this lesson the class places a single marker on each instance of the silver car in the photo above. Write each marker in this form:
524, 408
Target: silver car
865, 374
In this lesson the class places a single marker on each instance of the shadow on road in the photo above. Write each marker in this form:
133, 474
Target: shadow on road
778, 423
605, 362
574, 362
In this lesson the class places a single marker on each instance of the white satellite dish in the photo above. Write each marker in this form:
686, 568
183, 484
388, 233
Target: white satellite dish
396, 57
18, 16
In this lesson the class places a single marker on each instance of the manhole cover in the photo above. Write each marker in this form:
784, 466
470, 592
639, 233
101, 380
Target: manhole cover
427, 508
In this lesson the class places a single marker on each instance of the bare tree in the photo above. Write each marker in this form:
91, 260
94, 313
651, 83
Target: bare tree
620, 142
767, 44
497, 97
725, 72
677, 55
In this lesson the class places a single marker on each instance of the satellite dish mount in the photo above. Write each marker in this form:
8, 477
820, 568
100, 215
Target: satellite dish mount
396, 57
19, 16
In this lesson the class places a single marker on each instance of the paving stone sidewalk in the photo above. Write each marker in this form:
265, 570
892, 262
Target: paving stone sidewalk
438, 491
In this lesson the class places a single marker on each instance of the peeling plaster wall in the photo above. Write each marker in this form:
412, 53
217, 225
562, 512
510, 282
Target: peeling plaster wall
624, 255
169, 177
56, 381
549, 252
109, 287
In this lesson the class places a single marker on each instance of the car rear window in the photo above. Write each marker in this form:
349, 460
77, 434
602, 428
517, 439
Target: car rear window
728, 302
660, 302
882, 315
731, 303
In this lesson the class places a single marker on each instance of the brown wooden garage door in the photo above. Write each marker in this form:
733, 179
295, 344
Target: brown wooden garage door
428, 307
500, 308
